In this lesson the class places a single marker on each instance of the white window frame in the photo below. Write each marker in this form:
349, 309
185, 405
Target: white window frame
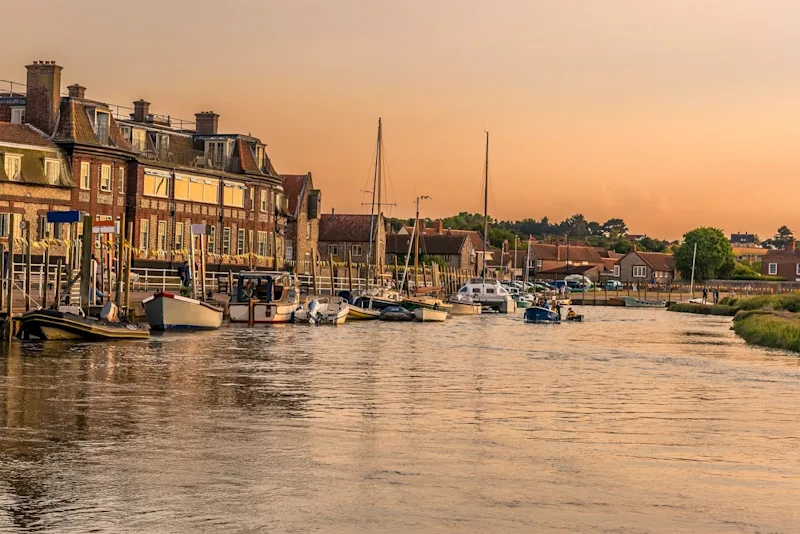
162, 236
105, 178
164, 181
264, 201
52, 163
616, 271
138, 139
356, 250
262, 243
121, 180
308, 231
226, 240
241, 241
8, 158
18, 115
772, 269
5, 221
798, 270
289, 251
234, 188
178, 237
333, 250
212, 240
639, 271
86, 175
144, 234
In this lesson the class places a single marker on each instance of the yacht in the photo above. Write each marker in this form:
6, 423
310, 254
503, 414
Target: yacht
490, 293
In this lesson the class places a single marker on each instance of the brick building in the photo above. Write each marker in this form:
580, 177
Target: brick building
476, 240
646, 267
343, 233
455, 250
784, 262
302, 230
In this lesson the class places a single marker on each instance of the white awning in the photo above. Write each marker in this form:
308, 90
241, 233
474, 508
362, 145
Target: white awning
158, 172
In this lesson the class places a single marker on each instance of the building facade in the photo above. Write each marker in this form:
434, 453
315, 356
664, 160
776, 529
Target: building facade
646, 267
784, 263
455, 251
302, 230
340, 234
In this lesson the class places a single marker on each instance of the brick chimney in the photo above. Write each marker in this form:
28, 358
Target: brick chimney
43, 95
790, 245
141, 110
76, 90
439, 226
207, 122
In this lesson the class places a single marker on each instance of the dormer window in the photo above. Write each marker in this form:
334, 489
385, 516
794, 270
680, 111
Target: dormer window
17, 115
102, 120
138, 139
52, 170
217, 154
260, 156
13, 166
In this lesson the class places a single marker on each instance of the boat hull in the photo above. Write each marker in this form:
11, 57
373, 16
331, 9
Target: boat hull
56, 325
631, 302
396, 313
165, 311
261, 313
465, 309
412, 303
362, 314
538, 315
427, 315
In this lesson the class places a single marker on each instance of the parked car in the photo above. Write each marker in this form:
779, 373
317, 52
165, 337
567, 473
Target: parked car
613, 284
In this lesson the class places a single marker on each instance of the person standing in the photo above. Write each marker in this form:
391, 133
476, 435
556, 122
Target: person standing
705, 294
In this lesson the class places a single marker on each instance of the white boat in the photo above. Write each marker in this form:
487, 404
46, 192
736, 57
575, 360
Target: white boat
264, 297
464, 305
166, 311
489, 293
631, 302
427, 315
323, 310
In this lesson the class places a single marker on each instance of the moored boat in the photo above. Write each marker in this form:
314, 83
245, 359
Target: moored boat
356, 313
424, 301
323, 310
537, 314
463, 305
61, 325
631, 302
166, 311
426, 315
489, 293
396, 313
263, 297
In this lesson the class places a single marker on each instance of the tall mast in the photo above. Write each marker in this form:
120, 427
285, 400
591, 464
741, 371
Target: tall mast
378, 186
485, 207
375, 192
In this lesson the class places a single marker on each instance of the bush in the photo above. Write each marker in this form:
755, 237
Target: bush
721, 309
689, 307
769, 330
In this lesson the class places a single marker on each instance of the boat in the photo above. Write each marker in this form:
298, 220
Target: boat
166, 311
396, 313
378, 298
427, 315
539, 315
577, 318
323, 310
489, 293
355, 313
425, 301
631, 302
65, 325
264, 297
464, 305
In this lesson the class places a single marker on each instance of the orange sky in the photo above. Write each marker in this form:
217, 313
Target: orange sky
667, 114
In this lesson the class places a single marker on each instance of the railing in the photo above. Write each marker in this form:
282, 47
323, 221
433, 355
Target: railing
178, 156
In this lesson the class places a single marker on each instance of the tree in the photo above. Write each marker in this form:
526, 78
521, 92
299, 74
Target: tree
623, 246
781, 238
653, 245
615, 228
715, 259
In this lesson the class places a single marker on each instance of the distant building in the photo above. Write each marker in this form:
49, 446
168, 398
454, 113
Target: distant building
645, 267
302, 230
784, 263
456, 250
340, 233
474, 236
556, 261
743, 240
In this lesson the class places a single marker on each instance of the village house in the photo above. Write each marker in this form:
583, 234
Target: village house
744, 240
784, 263
455, 250
557, 260
475, 238
302, 230
340, 233
646, 267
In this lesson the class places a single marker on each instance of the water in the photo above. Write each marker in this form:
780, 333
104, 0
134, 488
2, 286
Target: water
634, 421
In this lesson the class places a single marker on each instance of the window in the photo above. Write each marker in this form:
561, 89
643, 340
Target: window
279, 202
144, 234
86, 175
43, 228
17, 115
252, 198
216, 153
251, 246
162, 143
13, 165
233, 194
356, 249
161, 236
264, 203
333, 250
105, 178
102, 120
5, 219
308, 230
125, 131
212, 240
270, 242
138, 139
196, 189
616, 270
640, 271
798, 269
240, 241
179, 236
156, 183
121, 180
260, 156
226, 240
772, 268
52, 170
262, 244
289, 252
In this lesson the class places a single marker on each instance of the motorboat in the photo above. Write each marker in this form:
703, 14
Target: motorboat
427, 315
426, 301
356, 313
631, 302
396, 313
464, 305
264, 297
166, 311
537, 314
490, 293
378, 298
67, 325
323, 310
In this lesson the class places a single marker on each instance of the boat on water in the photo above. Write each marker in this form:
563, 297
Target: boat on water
489, 293
539, 315
264, 297
464, 305
67, 325
426, 301
378, 298
631, 302
166, 311
396, 313
427, 315
323, 310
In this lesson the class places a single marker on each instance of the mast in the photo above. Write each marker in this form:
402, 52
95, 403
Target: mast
485, 207
376, 192
416, 251
378, 186
691, 284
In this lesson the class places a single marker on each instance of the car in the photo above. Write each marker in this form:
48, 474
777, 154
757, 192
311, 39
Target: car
613, 284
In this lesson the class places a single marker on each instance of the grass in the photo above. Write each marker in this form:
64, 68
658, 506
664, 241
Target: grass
703, 309
768, 329
789, 303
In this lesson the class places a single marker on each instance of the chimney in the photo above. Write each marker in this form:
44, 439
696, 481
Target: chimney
43, 95
76, 90
439, 225
790, 245
633, 246
207, 122
333, 211
141, 110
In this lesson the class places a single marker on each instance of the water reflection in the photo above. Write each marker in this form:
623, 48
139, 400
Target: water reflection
636, 419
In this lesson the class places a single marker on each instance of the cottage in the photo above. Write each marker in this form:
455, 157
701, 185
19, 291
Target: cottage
455, 250
784, 263
551, 260
475, 237
646, 267
744, 240
302, 230
340, 233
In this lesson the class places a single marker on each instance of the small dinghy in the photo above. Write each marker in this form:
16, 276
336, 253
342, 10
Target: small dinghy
396, 313
166, 311
631, 302
575, 318
57, 324
464, 305
537, 314
323, 310
426, 315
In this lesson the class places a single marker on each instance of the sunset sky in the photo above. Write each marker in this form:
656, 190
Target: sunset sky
670, 114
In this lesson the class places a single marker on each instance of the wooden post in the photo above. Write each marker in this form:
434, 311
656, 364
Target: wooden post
109, 254
86, 261
314, 271
12, 222
46, 277
57, 287
120, 256
350, 270
230, 282
128, 263
28, 267
203, 267
2, 275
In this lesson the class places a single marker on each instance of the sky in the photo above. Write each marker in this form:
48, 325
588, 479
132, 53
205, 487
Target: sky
670, 115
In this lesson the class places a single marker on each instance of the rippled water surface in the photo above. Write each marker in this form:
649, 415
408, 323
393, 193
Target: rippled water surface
634, 421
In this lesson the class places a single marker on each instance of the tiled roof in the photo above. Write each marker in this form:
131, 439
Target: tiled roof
570, 269
561, 252
244, 154
428, 244
74, 126
658, 261
609, 263
292, 188
342, 227
23, 134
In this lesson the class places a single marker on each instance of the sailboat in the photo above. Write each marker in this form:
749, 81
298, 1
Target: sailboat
488, 293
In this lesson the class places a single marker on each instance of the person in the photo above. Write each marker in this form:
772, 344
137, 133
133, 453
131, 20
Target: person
557, 308
570, 313
248, 290
716, 296
705, 294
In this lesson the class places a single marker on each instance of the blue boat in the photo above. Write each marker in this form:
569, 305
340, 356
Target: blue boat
537, 314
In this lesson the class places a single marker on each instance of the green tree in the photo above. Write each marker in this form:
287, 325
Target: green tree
781, 238
623, 246
615, 228
715, 259
653, 245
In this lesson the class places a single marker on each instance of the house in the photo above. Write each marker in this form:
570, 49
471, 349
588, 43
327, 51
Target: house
784, 263
340, 234
744, 240
646, 267
551, 260
749, 253
302, 230
456, 250
474, 236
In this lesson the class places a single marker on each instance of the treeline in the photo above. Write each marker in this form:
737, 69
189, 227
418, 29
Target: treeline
611, 234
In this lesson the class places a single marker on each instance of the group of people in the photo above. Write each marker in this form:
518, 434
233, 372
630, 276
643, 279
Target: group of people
544, 303
714, 295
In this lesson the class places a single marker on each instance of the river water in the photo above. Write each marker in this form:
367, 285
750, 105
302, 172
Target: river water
634, 421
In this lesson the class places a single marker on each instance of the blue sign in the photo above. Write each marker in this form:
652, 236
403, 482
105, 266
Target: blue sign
64, 216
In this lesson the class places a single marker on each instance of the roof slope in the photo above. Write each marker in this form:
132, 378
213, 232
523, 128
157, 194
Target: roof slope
341, 227
562, 252
23, 134
292, 188
658, 261
437, 245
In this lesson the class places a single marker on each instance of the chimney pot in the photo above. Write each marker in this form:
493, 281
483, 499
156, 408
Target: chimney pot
207, 122
43, 95
141, 110
76, 90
